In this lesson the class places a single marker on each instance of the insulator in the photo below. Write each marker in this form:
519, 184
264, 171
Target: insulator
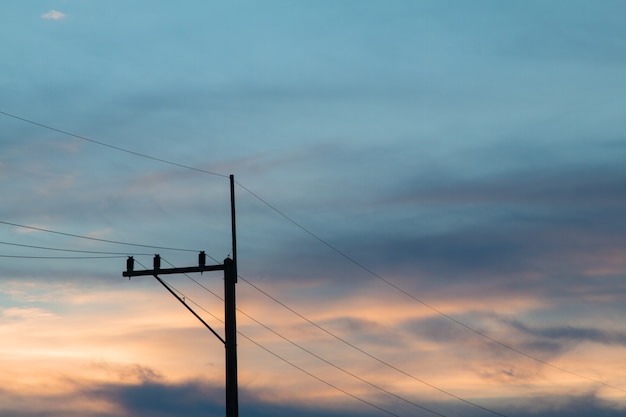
130, 263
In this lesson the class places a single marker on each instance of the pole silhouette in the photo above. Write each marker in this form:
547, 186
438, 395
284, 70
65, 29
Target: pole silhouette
229, 266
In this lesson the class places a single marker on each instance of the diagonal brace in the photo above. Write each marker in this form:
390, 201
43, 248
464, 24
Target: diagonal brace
190, 309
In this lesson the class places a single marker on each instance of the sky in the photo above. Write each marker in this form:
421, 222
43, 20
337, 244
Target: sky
430, 204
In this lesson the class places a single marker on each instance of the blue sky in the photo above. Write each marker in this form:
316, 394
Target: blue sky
430, 206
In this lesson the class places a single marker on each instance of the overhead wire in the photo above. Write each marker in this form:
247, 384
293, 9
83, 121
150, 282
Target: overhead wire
341, 369
59, 257
356, 397
182, 300
184, 296
312, 353
116, 242
349, 344
117, 148
73, 250
319, 239
251, 284
420, 301
385, 363
318, 378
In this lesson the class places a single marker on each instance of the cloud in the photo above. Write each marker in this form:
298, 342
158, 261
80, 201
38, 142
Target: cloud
53, 15
126, 372
25, 313
574, 334
199, 398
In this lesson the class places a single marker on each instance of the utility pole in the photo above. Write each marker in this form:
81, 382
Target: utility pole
230, 317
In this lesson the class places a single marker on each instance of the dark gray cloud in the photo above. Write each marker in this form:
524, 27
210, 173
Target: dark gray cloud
503, 227
587, 404
153, 398
572, 334
501, 348
160, 399
595, 186
196, 398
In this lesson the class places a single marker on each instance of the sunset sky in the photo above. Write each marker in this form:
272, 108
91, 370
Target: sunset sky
430, 195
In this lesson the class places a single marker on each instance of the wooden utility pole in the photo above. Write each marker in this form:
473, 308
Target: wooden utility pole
230, 317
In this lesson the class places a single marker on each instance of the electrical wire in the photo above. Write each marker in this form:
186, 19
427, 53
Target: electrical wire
339, 368
387, 364
420, 301
334, 365
184, 297
456, 321
316, 237
59, 257
73, 250
116, 242
117, 148
318, 378
182, 300
155, 247
314, 354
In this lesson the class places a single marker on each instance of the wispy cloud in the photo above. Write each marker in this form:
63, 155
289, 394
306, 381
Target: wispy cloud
25, 313
53, 15
574, 334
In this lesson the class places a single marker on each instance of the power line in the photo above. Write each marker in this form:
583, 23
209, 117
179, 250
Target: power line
353, 346
59, 257
425, 304
285, 360
341, 368
73, 250
318, 378
117, 148
324, 242
116, 242
344, 341
182, 300
314, 354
